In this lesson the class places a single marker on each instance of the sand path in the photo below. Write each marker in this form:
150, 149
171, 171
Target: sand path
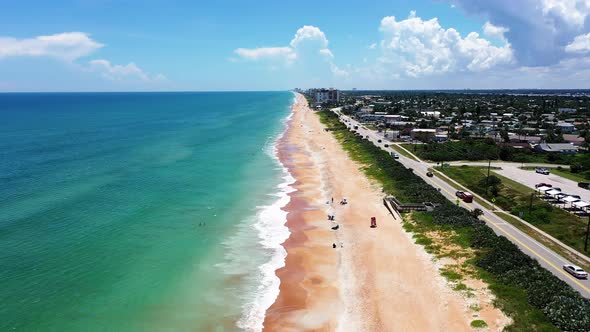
376, 279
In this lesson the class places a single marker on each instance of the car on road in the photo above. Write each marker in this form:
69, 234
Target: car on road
542, 184
386, 145
429, 174
464, 196
584, 185
356, 127
576, 271
378, 141
542, 170
395, 155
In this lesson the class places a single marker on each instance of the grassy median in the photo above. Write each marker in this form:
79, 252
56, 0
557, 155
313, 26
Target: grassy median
399, 149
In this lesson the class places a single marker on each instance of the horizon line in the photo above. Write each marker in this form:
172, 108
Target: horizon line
346, 90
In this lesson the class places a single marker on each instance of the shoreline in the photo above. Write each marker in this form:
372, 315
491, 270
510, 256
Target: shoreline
271, 236
375, 279
309, 256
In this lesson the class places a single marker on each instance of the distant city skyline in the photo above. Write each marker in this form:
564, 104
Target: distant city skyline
155, 45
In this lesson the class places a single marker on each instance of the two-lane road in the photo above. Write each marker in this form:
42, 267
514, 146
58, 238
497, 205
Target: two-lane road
546, 257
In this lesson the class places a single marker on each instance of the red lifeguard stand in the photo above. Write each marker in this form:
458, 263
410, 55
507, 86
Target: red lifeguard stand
373, 222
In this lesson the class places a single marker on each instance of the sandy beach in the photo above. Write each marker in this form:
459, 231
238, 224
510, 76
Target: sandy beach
375, 279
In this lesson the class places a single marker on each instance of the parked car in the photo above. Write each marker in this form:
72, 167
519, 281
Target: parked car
356, 127
542, 170
584, 185
542, 184
395, 155
576, 271
464, 196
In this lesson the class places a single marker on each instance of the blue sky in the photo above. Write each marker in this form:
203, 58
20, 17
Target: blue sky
108, 45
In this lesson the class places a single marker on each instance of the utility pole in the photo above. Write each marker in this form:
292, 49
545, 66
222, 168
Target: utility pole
587, 231
531, 203
488, 177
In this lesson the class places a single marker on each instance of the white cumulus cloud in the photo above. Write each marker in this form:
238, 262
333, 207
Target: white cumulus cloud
424, 47
119, 72
260, 53
308, 50
307, 35
494, 31
539, 30
67, 46
580, 44
573, 12
308, 39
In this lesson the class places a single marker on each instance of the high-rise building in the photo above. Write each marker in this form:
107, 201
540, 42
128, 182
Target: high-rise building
325, 95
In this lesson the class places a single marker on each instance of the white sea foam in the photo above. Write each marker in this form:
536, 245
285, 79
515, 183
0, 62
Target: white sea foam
272, 232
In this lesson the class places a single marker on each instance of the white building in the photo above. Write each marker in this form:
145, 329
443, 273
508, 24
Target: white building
325, 95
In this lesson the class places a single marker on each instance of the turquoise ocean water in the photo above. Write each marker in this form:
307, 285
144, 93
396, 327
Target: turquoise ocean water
140, 211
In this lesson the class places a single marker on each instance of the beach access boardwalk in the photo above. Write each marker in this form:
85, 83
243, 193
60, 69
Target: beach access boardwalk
545, 256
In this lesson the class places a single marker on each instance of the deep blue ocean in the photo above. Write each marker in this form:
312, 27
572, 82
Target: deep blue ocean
140, 211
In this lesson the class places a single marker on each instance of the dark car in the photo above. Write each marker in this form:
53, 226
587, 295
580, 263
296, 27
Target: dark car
584, 185
429, 174
378, 141
542, 184
464, 196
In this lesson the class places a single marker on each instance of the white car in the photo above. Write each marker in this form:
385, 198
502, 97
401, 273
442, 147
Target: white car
541, 170
576, 271
394, 155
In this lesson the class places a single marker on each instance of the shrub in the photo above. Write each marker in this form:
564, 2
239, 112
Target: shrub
569, 313
576, 168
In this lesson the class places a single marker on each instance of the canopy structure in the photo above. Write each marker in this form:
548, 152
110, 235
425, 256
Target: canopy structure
570, 199
544, 188
581, 204
552, 192
561, 196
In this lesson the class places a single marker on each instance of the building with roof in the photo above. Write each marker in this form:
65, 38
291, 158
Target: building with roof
325, 95
565, 127
566, 110
573, 139
556, 148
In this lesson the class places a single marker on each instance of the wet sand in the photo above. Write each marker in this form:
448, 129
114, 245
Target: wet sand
376, 279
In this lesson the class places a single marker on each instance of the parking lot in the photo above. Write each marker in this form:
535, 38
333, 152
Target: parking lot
530, 178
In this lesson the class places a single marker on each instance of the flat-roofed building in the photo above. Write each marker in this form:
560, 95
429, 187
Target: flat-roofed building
556, 147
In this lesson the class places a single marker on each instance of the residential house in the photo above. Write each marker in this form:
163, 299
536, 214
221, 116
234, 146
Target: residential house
556, 148
565, 127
